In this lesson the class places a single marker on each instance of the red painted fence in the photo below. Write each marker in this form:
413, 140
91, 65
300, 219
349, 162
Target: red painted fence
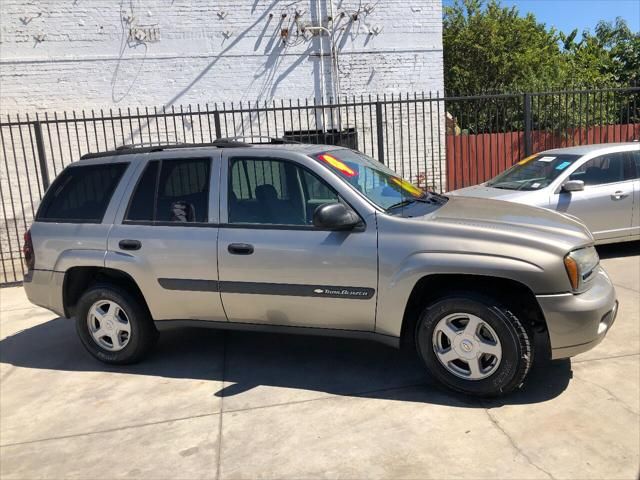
473, 159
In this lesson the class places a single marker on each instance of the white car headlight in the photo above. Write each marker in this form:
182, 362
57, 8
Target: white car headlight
580, 265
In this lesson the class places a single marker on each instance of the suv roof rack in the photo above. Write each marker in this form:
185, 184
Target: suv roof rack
147, 148
229, 142
269, 140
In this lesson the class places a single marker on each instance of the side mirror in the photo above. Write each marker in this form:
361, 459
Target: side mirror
335, 216
573, 186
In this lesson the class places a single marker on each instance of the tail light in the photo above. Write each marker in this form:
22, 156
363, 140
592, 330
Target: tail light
27, 250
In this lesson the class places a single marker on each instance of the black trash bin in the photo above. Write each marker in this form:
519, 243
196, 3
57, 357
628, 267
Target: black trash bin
347, 137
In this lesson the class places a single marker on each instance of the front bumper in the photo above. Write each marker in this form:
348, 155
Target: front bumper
578, 322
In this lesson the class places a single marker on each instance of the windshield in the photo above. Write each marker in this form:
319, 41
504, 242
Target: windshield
375, 181
533, 173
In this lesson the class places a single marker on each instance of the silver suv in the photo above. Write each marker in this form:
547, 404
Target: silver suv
316, 240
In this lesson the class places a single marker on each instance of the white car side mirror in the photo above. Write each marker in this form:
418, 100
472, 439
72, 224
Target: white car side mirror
573, 186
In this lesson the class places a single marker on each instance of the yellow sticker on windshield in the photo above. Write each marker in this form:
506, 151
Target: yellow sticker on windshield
408, 187
528, 159
337, 164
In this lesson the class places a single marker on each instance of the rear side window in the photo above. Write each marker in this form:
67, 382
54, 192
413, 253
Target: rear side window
635, 157
142, 202
172, 191
81, 194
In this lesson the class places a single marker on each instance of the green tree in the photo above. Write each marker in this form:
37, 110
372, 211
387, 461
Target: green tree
621, 49
488, 47
608, 57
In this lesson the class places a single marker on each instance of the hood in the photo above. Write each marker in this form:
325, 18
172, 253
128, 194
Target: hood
507, 217
483, 191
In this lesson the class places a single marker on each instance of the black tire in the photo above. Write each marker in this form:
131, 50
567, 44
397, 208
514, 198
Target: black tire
517, 348
143, 333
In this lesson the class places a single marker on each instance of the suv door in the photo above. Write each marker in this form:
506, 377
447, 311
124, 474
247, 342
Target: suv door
165, 237
275, 266
606, 203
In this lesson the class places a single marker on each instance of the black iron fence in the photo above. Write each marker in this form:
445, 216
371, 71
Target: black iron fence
437, 142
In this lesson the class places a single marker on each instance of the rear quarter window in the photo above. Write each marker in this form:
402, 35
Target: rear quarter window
81, 194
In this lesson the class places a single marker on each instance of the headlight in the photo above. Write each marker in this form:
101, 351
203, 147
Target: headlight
580, 264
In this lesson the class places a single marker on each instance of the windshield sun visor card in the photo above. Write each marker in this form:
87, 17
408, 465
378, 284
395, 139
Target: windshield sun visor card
546, 159
563, 165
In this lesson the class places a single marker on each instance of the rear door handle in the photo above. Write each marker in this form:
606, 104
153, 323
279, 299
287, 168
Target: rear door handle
619, 195
130, 244
240, 248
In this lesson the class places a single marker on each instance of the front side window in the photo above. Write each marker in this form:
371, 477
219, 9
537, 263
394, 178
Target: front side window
172, 191
534, 172
604, 169
274, 192
317, 192
81, 193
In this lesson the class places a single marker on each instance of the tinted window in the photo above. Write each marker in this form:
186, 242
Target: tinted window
142, 202
183, 191
635, 158
629, 168
182, 188
275, 192
316, 190
603, 169
247, 175
81, 194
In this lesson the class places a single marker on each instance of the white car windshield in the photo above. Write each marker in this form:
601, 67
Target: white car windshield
534, 172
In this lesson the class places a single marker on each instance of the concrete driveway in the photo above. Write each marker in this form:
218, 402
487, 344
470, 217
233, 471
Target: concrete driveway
213, 404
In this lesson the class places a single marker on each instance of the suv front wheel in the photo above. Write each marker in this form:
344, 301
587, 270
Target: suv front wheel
474, 345
113, 325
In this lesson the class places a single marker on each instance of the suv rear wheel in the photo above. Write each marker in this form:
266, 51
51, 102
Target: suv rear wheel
474, 345
113, 325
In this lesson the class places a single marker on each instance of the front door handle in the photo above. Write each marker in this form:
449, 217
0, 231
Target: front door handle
619, 195
240, 248
130, 244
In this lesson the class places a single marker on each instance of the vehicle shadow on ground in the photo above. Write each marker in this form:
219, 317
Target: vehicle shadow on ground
615, 250
245, 360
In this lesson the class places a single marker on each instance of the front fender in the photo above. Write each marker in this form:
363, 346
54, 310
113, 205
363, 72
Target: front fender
395, 288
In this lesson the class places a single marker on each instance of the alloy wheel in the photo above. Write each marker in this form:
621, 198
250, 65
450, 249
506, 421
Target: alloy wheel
109, 325
467, 346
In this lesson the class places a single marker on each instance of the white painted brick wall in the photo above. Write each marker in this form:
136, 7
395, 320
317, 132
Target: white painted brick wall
84, 61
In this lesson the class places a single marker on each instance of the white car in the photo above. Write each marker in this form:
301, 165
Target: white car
599, 184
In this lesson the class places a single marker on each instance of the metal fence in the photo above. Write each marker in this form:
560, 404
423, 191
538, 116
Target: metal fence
487, 134
437, 142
